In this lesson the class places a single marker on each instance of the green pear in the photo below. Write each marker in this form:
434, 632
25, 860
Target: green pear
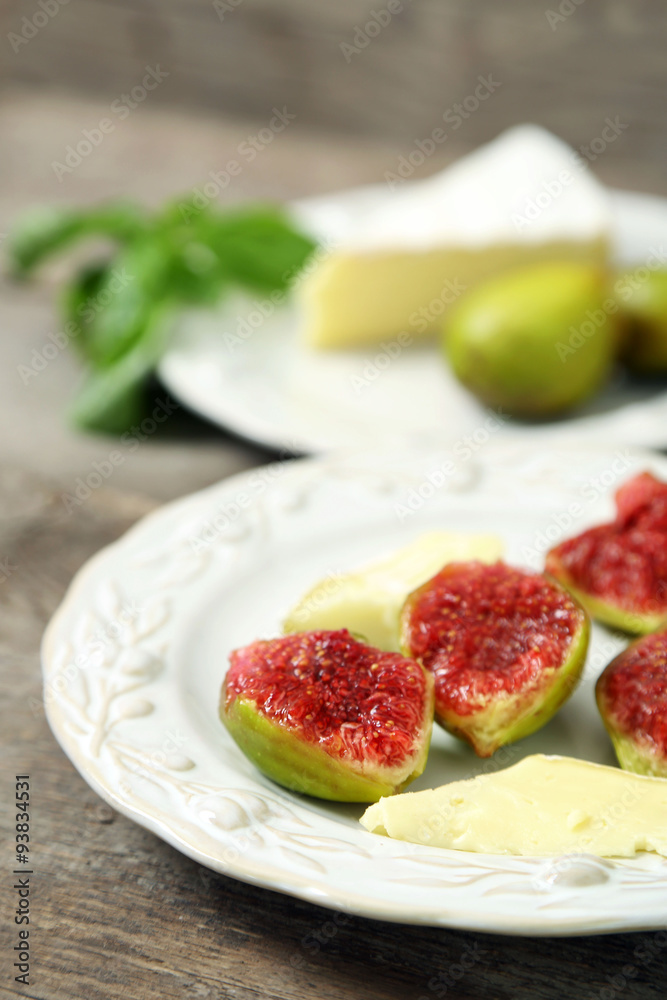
534, 341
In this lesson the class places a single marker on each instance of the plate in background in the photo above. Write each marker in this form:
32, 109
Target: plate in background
250, 372
135, 657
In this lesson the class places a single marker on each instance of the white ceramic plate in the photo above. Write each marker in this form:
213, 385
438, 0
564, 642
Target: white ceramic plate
134, 660
246, 369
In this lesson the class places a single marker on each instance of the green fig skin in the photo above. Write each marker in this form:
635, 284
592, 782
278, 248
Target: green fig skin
287, 759
635, 758
630, 622
643, 322
636, 749
524, 341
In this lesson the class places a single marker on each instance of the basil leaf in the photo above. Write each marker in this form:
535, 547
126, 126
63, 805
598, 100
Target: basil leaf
112, 399
80, 302
43, 231
138, 280
258, 248
122, 308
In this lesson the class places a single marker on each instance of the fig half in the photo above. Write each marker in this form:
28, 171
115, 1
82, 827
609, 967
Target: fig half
631, 694
619, 570
327, 715
506, 648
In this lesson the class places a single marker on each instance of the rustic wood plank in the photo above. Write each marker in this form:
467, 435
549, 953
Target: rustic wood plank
602, 59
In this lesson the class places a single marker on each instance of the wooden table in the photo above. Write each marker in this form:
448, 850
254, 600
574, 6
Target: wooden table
115, 912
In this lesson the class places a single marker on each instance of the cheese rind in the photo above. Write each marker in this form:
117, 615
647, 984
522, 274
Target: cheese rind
368, 602
400, 265
541, 806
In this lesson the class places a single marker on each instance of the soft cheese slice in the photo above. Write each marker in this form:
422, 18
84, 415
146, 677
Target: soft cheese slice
540, 806
368, 602
401, 262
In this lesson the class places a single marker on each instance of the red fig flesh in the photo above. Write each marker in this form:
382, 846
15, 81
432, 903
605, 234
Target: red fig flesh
632, 698
506, 648
325, 714
619, 570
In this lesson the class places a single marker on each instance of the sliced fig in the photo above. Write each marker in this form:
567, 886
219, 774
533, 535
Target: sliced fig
325, 714
506, 648
631, 694
642, 503
619, 570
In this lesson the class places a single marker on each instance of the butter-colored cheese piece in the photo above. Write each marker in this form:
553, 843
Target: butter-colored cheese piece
401, 262
368, 602
540, 806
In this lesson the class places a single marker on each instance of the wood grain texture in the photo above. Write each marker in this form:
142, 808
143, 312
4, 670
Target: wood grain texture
395, 80
116, 913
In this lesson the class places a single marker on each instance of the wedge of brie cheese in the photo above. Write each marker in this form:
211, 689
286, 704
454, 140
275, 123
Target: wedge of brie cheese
403, 256
540, 806
368, 602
